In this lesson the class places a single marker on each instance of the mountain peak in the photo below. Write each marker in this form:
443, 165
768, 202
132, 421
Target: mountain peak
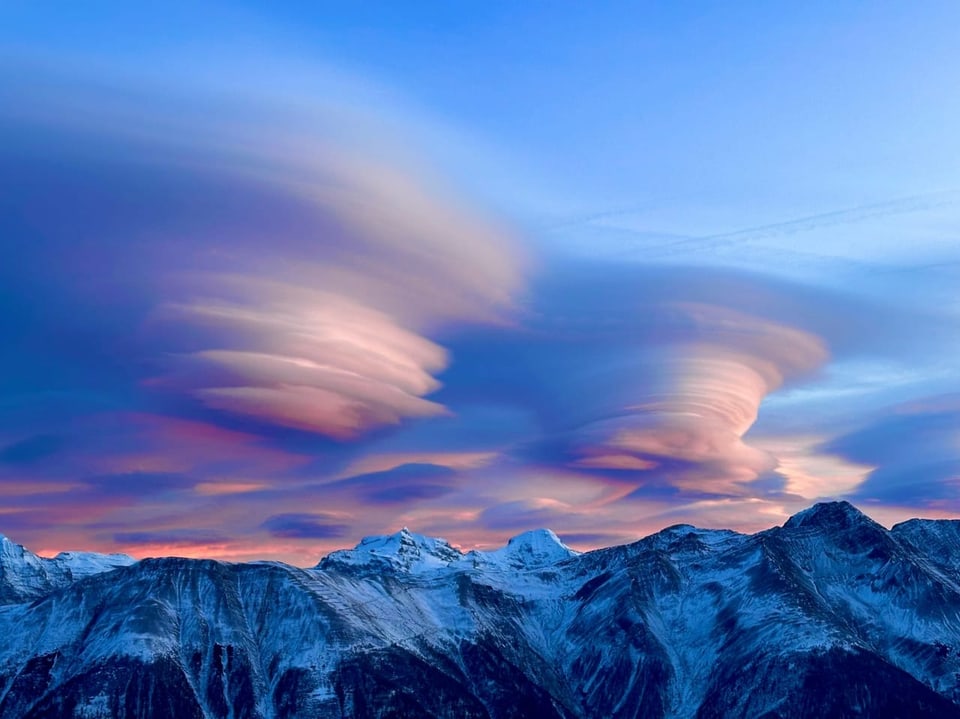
11, 551
404, 550
83, 564
829, 515
536, 548
687, 537
543, 540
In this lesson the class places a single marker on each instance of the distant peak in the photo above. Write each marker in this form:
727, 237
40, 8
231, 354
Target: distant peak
839, 514
404, 549
928, 529
70, 554
915, 523
401, 542
534, 549
687, 537
679, 529
537, 537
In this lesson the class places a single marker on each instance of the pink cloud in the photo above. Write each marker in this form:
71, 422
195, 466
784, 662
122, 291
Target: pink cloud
329, 331
811, 473
315, 409
316, 361
381, 462
144, 442
698, 397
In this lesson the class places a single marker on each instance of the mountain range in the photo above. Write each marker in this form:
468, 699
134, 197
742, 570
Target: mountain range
829, 615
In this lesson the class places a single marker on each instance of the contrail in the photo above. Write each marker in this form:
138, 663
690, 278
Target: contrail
809, 223
900, 206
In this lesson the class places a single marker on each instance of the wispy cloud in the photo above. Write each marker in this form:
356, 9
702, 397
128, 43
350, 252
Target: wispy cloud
305, 526
242, 315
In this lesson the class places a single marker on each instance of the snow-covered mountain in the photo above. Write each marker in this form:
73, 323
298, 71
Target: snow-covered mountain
24, 575
830, 615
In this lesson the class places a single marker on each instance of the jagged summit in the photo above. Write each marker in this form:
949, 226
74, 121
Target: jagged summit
6, 542
406, 550
937, 538
402, 550
829, 515
409, 551
24, 574
13, 555
915, 524
687, 537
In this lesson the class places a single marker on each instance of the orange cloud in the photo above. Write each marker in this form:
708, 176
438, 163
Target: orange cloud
810, 473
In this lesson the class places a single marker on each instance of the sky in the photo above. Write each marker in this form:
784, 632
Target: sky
275, 277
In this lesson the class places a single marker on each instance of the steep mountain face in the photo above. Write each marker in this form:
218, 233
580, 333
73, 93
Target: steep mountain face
24, 575
828, 615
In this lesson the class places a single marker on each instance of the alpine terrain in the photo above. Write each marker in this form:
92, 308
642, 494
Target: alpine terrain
829, 615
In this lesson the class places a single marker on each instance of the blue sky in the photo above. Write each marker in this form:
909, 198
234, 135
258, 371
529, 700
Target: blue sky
277, 278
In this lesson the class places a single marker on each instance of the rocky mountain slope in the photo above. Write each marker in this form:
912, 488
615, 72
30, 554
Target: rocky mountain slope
828, 615
25, 576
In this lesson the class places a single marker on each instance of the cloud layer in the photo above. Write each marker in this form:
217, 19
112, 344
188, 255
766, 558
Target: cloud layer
245, 327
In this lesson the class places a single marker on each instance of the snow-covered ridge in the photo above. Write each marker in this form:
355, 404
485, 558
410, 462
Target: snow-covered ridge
828, 615
83, 564
685, 536
834, 515
530, 550
24, 574
411, 552
404, 550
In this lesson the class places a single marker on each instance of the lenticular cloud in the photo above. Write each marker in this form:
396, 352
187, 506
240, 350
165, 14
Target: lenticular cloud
316, 361
303, 293
694, 400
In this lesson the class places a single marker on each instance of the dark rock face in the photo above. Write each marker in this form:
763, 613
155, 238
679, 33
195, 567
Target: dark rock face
830, 615
835, 683
123, 689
